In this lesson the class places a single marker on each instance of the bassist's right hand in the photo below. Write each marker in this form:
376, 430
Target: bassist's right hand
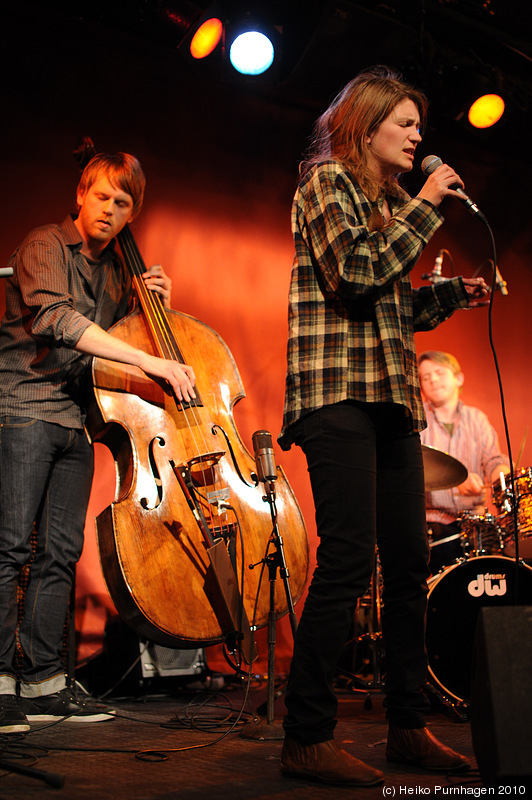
180, 376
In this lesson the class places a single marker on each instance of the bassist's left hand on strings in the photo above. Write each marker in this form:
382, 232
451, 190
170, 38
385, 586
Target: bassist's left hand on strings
158, 281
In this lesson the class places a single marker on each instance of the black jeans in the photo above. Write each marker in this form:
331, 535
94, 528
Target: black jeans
366, 472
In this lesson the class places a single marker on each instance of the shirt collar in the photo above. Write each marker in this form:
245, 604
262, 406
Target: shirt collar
73, 237
434, 411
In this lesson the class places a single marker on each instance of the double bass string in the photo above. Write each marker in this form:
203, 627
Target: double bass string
166, 344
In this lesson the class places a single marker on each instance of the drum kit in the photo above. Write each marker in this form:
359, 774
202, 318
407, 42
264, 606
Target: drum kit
486, 574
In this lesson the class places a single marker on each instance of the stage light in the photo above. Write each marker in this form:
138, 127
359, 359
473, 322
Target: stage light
479, 95
486, 110
206, 38
196, 32
251, 52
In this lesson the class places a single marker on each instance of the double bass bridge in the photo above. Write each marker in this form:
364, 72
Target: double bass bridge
202, 468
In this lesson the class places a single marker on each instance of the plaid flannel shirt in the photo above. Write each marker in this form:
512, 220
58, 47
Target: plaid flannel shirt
352, 309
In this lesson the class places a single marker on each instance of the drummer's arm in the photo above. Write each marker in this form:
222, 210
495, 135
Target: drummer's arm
496, 474
473, 485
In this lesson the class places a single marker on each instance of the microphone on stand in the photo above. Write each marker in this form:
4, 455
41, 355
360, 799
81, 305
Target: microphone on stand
264, 457
502, 286
435, 276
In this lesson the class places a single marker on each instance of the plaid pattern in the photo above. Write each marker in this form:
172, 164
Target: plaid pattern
53, 296
352, 308
475, 443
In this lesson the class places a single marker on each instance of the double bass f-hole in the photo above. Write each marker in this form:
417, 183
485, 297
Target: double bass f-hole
215, 429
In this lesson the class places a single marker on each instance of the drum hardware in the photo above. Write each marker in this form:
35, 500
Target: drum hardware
455, 597
370, 603
446, 540
513, 500
480, 535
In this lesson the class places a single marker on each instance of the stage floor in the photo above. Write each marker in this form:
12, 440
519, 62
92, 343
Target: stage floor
194, 748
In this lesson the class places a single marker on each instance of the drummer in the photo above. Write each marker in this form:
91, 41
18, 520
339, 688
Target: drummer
465, 433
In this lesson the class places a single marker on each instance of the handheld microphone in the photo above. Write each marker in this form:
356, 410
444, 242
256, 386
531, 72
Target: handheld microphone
431, 163
264, 456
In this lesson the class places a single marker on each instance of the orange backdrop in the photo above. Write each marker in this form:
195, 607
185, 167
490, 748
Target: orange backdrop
221, 162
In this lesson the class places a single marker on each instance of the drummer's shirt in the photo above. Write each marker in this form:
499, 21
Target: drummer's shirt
474, 442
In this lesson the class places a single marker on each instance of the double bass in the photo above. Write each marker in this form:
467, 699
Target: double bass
189, 516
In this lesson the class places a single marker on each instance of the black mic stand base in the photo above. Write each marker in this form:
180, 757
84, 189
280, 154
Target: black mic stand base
264, 732
270, 730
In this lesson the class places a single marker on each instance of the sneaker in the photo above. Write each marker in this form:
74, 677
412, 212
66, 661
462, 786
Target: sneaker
12, 719
65, 705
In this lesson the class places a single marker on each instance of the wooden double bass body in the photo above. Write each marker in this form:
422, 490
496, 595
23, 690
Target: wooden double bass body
152, 546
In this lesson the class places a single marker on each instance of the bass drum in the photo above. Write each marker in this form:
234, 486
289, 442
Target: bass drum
455, 599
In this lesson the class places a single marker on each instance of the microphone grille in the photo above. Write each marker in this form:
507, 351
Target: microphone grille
261, 439
430, 163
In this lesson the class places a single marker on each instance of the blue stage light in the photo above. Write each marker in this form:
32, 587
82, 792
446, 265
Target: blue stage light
251, 53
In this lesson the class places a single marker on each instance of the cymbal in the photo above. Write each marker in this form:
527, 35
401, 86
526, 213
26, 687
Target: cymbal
442, 471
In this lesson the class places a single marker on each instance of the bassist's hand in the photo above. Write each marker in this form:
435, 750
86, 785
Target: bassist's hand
180, 376
158, 281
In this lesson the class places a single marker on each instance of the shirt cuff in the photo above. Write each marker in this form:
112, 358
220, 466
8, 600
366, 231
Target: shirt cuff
77, 326
451, 294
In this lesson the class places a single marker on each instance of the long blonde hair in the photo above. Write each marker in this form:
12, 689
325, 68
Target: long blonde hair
356, 112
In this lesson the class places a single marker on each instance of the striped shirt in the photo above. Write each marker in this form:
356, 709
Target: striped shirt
352, 309
55, 294
474, 442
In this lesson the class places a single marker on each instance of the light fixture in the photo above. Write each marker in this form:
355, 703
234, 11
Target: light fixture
251, 53
206, 37
251, 45
486, 110
481, 99
196, 31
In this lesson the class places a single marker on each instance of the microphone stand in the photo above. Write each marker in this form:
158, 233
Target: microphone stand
274, 561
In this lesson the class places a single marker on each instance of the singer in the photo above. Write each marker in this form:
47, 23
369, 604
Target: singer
353, 405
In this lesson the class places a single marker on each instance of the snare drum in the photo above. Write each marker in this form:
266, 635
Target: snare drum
503, 498
481, 535
455, 598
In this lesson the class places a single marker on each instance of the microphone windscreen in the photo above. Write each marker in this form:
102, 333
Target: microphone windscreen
261, 440
430, 163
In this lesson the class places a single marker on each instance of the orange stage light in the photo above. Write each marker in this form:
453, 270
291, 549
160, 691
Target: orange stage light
206, 38
486, 111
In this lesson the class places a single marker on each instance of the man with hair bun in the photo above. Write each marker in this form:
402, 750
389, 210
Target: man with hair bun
68, 287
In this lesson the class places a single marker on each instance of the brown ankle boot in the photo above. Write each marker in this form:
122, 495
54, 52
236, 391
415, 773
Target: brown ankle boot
419, 746
328, 763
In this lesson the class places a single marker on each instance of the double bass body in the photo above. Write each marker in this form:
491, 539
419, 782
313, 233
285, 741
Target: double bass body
152, 548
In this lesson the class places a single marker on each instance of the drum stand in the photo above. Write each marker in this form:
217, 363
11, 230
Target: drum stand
373, 639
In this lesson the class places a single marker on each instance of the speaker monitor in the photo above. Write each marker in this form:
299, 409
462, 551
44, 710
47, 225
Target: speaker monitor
164, 662
130, 664
501, 695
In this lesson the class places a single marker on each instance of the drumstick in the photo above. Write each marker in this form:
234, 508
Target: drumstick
522, 447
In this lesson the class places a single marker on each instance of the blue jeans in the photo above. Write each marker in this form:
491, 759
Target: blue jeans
366, 472
45, 478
